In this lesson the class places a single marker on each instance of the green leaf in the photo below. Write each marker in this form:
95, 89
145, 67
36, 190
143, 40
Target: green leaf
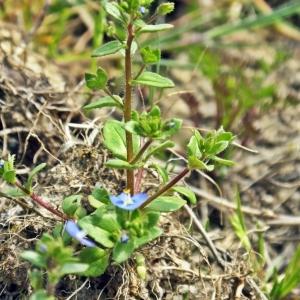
153, 79
193, 149
33, 173
97, 259
151, 234
94, 202
108, 221
153, 218
120, 164
73, 268
195, 163
166, 204
98, 234
150, 56
165, 8
106, 101
155, 28
115, 139
35, 258
188, 193
36, 279
113, 10
223, 161
163, 146
123, 251
108, 48
70, 204
101, 194
290, 280
7, 171
80, 213
96, 81
9, 176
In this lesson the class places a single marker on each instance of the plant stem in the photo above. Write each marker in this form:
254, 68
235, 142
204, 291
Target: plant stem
141, 152
127, 105
138, 181
39, 200
165, 188
50, 289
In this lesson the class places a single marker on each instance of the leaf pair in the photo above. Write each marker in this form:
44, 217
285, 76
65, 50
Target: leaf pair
202, 151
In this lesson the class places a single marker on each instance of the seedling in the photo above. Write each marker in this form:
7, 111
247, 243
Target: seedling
119, 224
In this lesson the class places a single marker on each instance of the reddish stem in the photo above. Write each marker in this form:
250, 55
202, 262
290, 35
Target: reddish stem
39, 200
138, 181
127, 105
165, 188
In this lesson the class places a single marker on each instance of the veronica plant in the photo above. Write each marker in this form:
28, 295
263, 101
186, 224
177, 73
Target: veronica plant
118, 225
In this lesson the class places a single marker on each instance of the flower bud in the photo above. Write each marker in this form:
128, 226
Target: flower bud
142, 272
165, 8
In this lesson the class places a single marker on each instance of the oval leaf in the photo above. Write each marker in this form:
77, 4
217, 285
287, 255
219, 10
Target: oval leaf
188, 193
99, 235
154, 79
96, 81
115, 139
166, 204
97, 259
73, 268
123, 251
107, 101
70, 204
155, 28
108, 48
113, 10
119, 164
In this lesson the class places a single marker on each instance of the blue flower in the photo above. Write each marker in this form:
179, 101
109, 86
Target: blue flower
124, 238
128, 202
142, 9
75, 231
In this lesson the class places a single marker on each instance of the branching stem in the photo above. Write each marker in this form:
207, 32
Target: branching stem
141, 152
166, 187
39, 200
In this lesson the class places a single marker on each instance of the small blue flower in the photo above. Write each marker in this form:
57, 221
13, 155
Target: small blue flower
128, 202
142, 9
124, 238
75, 231
1, 163
43, 248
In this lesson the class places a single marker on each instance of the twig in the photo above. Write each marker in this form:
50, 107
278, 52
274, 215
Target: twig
77, 290
272, 218
39, 200
23, 204
210, 244
166, 187
257, 289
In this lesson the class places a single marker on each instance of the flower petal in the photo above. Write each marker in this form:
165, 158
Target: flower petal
75, 231
86, 242
141, 197
132, 203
